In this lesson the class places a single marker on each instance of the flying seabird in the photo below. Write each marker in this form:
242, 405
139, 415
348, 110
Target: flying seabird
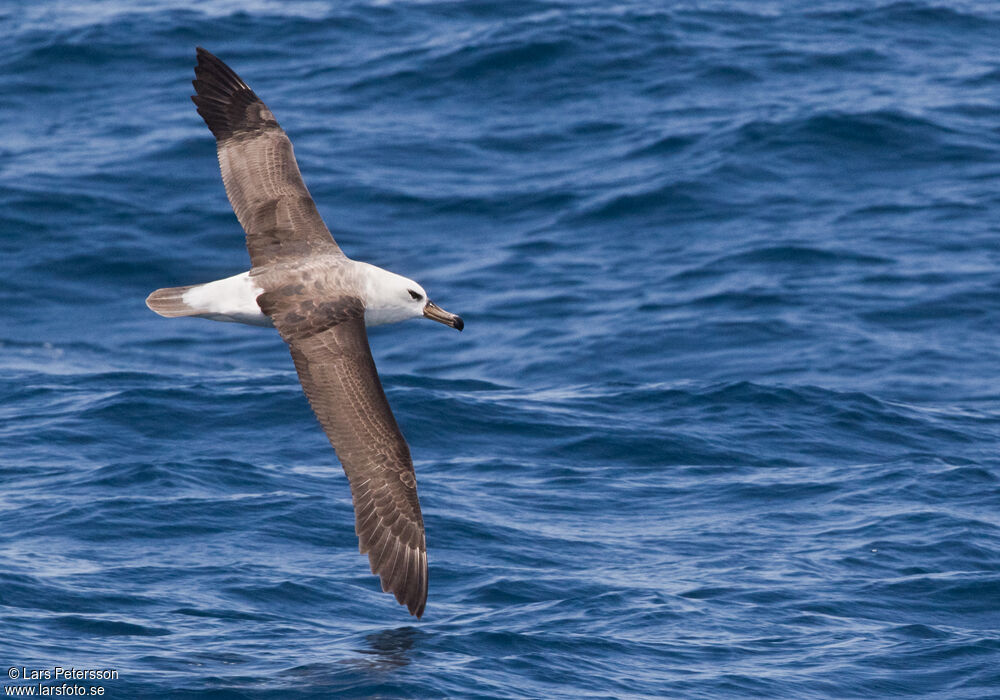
320, 301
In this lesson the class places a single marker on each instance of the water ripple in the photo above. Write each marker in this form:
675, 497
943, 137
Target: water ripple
722, 422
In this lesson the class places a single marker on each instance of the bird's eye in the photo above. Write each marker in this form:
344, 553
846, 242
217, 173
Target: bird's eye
416, 295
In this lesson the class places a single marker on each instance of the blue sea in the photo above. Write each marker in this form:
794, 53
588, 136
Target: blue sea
724, 421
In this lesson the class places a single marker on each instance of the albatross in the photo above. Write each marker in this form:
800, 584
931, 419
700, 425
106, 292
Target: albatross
320, 301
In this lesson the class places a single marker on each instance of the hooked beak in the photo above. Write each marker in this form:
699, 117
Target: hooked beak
436, 313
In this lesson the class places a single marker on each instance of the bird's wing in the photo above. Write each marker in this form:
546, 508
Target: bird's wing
258, 168
331, 353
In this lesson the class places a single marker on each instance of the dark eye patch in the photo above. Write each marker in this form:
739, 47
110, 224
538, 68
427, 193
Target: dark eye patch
415, 295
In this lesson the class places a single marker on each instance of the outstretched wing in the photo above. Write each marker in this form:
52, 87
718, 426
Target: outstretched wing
330, 349
258, 168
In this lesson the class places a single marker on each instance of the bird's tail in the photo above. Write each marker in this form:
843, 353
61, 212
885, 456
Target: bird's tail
169, 302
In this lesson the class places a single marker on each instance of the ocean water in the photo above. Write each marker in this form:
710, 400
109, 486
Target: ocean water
724, 421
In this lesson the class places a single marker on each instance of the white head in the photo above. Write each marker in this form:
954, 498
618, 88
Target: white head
390, 298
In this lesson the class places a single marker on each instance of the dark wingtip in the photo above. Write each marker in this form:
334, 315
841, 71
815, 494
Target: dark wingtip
224, 101
410, 591
416, 606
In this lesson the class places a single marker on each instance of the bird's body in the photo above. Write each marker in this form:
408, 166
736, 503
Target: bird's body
234, 299
320, 301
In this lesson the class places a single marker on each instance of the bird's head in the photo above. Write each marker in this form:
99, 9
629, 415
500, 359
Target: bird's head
392, 298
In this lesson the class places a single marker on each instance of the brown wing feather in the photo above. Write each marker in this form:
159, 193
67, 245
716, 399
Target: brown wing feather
258, 167
330, 349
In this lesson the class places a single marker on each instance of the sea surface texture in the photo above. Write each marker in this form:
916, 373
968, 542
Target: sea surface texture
724, 421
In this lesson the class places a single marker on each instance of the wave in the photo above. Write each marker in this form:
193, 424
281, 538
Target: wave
722, 422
